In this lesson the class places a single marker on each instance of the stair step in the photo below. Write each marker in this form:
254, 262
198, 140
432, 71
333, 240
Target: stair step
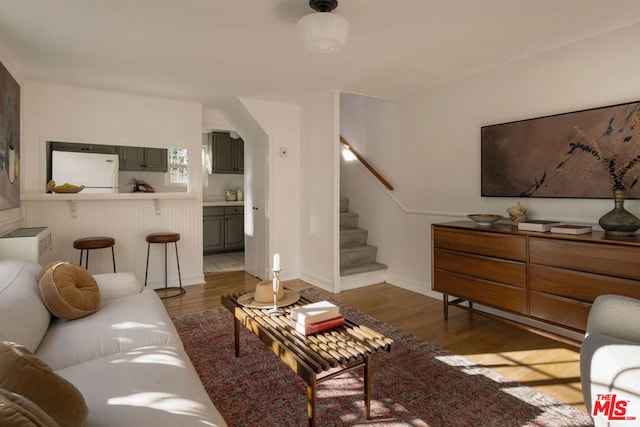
363, 254
350, 237
344, 204
348, 220
362, 268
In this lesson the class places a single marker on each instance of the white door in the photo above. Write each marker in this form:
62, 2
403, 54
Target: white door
255, 195
255, 184
256, 142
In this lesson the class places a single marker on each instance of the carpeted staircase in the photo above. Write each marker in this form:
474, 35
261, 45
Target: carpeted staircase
356, 256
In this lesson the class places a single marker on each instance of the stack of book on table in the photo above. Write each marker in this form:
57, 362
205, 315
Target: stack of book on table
537, 225
316, 317
571, 229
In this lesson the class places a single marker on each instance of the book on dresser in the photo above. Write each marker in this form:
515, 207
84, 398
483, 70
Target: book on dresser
571, 229
537, 225
313, 328
314, 312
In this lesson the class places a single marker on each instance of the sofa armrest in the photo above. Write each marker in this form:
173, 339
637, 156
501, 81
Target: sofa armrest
609, 366
615, 316
117, 285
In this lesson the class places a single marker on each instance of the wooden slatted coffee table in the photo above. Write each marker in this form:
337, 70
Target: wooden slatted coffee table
345, 348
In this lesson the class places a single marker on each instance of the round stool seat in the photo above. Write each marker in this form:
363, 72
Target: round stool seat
94, 242
86, 244
163, 237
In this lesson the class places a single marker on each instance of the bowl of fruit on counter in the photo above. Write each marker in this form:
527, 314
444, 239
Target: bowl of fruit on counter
64, 188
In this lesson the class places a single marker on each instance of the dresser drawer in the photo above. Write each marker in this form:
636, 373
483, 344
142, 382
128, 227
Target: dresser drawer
562, 311
493, 269
608, 259
579, 285
482, 243
494, 294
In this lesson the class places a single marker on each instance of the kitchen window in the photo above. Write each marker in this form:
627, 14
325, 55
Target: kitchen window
178, 166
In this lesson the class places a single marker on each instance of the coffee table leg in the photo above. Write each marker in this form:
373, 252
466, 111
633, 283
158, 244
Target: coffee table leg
311, 400
236, 335
367, 387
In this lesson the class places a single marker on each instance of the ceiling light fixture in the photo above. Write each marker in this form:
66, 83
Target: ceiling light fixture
323, 31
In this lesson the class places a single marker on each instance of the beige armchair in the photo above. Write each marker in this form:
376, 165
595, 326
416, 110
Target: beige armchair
610, 361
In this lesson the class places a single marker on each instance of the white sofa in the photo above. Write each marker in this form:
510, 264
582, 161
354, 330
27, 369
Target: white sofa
610, 361
126, 359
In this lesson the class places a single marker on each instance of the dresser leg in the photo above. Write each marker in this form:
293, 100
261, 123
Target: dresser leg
445, 305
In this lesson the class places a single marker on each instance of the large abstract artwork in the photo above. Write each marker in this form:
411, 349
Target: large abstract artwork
583, 154
9, 140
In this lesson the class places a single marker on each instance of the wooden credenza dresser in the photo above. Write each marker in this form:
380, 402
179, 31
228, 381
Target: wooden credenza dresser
552, 278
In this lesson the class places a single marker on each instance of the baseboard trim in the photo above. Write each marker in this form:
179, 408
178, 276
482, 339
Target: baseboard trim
355, 281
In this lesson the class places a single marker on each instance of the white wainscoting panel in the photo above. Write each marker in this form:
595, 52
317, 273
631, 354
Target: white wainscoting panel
128, 221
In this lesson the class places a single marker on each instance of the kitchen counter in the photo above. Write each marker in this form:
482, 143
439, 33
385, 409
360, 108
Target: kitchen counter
73, 199
222, 203
107, 196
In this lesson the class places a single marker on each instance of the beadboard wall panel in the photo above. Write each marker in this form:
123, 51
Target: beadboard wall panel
128, 222
64, 113
76, 114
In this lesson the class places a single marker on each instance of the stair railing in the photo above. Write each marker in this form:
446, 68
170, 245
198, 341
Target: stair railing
366, 164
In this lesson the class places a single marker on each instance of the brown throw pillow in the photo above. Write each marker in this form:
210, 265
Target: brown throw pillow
23, 373
69, 291
18, 411
46, 268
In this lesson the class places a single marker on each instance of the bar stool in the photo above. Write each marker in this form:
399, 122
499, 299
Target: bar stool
165, 238
97, 242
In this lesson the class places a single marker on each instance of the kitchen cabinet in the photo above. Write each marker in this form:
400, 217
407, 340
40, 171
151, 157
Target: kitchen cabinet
142, 159
223, 228
82, 148
227, 154
234, 227
213, 229
553, 278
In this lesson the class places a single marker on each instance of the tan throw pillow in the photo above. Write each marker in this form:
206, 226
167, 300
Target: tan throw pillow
46, 268
23, 373
69, 291
18, 411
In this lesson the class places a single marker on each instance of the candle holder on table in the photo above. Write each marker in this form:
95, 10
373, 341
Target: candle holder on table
275, 311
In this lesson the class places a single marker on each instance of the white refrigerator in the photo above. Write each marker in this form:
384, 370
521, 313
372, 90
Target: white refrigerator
97, 172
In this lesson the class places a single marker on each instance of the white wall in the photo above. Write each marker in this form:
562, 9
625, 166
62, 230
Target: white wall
74, 114
214, 120
64, 113
281, 122
433, 158
319, 199
12, 218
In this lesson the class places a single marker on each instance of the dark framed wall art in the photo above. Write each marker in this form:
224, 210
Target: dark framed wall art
9, 140
582, 154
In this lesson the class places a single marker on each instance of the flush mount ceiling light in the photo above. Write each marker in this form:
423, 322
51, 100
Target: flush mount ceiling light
323, 31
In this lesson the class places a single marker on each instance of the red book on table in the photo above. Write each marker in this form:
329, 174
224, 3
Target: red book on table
312, 328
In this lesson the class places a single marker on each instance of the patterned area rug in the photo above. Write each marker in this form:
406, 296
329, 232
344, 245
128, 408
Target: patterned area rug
416, 384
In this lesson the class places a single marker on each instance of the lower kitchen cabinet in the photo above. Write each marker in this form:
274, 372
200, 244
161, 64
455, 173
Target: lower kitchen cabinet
234, 227
223, 228
213, 229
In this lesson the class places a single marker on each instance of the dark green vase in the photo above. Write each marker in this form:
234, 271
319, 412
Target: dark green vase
619, 221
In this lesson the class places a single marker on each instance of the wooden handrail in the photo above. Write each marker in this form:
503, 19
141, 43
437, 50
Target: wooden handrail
365, 163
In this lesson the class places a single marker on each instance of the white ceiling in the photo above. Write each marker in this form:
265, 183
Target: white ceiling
212, 51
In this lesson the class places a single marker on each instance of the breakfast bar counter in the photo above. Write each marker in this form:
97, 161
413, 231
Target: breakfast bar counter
108, 196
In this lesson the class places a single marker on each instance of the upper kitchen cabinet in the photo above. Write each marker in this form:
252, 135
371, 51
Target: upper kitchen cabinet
143, 159
227, 154
82, 148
